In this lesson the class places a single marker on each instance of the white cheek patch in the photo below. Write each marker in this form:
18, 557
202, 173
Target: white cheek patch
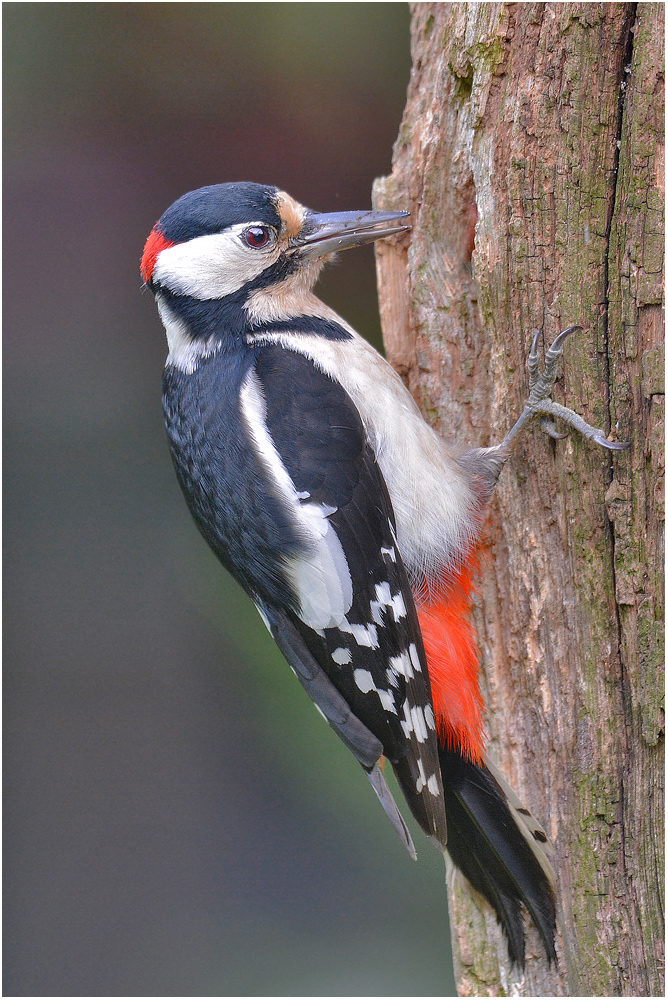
213, 266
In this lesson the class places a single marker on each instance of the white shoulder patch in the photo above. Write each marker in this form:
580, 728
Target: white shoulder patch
319, 574
434, 505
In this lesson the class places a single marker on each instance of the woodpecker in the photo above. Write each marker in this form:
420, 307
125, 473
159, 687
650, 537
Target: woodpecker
352, 525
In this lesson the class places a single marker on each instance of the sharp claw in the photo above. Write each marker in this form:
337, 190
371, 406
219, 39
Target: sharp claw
556, 347
533, 351
551, 428
533, 361
611, 445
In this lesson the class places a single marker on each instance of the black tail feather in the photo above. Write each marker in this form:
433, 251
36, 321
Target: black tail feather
504, 858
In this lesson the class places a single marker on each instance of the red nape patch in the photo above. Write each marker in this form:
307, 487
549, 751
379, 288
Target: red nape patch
452, 658
155, 244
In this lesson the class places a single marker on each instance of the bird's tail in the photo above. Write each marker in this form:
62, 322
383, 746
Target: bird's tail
492, 837
500, 848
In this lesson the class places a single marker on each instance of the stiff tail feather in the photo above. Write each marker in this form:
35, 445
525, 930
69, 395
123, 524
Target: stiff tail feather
492, 838
501, 849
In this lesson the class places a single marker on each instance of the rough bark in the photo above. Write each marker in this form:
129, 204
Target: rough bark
531, 157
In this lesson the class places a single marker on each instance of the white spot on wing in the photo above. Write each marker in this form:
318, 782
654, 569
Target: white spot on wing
365, 683
384, 599
386, 700
422, 780
402, 665
376, 613
342, 655
419, 724
398, 607
415, 659
364, 635
364, 680
414, 723
407, 722
321, 576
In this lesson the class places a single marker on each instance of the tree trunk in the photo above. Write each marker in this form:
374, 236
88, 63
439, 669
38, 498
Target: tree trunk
531, 156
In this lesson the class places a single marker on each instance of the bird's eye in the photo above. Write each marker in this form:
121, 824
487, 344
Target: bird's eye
257, 236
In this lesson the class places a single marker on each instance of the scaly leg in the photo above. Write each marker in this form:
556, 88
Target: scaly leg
490, 461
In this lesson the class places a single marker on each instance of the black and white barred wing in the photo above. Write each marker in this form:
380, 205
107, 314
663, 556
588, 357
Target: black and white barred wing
350, 630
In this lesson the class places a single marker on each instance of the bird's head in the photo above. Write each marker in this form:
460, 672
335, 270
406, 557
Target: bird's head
221, 239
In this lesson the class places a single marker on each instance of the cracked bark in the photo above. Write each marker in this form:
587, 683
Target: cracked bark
531, 156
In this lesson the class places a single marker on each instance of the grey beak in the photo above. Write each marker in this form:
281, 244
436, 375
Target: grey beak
334, 231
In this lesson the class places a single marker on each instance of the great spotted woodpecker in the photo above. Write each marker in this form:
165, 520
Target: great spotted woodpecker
350, 523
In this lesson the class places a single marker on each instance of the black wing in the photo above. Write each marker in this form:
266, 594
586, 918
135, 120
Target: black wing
354, 641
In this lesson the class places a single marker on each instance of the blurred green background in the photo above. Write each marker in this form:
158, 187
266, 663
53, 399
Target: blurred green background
178, 818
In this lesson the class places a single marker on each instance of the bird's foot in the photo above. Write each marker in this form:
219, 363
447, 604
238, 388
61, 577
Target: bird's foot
487, 463
540, 405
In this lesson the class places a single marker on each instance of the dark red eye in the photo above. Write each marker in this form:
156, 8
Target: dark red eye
257, 236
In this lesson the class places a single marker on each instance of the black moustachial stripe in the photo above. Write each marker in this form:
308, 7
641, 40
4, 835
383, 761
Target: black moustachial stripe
313, 325
226, 319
